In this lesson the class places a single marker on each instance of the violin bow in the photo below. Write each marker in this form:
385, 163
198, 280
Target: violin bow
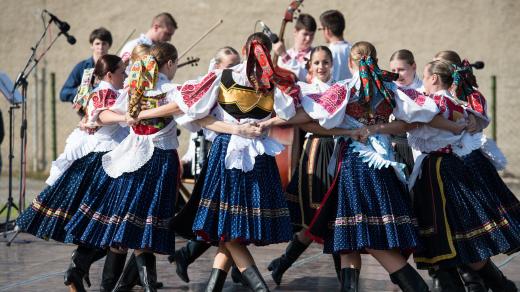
125, 41
219, 22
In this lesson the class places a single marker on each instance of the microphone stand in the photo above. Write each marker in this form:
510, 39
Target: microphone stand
21, 81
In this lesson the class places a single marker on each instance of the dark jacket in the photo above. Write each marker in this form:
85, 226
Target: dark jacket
70, 88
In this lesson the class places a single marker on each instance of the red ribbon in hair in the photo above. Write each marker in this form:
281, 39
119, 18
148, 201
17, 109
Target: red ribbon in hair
262, 74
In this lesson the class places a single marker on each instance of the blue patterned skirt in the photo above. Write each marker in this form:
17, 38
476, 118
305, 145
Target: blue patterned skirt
310, 182
246, 206
52, 209
460, 220
133, 210
364, 208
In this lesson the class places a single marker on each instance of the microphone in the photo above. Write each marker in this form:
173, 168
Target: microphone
62, 26
272, 36
477, 65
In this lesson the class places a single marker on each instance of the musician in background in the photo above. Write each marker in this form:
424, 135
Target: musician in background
162, 29
296, 57
100, 42
333, 25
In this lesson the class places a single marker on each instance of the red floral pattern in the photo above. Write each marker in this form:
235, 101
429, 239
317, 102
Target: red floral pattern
415, 95
331, 99
192, 93
477, 102
104, 98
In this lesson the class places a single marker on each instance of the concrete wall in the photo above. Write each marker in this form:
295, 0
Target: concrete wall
485, 30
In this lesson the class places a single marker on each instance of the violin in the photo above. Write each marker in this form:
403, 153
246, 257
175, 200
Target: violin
288, 136
193, 61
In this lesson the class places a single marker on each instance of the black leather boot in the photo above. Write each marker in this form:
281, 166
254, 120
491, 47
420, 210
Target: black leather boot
186, 255
436, 284
130, 276
254, 279
472, 280
279, 265
114, 264
495, 280
337, 265
349, 280
409, 280
216, 280
80, 262
236, 276
147, 274
449, 280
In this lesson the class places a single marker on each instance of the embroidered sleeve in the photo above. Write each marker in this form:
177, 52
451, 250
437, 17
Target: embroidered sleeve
412, 106
196, 98
478, 107
328, 108
99, 101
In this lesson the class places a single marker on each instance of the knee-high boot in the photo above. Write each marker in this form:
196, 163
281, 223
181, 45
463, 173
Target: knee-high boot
409, 280
186, 255
254, 279
147, 273
495, 280
279, 265
114, 264
449, 280
216, 280
349, 280
337, 265
472, 280
130, 277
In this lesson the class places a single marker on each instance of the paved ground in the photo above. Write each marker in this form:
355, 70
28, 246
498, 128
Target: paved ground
31, 264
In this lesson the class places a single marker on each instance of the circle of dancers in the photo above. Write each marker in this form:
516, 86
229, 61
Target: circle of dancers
392, 165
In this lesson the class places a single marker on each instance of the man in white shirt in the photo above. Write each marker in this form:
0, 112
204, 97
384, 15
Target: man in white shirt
162, 29
295, 59
333, 25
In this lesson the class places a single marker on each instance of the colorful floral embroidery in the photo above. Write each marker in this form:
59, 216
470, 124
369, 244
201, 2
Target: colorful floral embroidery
192, 93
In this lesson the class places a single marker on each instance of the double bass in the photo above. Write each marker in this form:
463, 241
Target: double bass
287, 135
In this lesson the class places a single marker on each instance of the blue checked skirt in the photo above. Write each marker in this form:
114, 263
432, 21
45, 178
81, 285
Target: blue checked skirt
364, 208
52, 209
131, 211
246, 206
460, 219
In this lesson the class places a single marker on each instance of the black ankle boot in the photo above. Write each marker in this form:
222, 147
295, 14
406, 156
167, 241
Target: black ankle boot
114, 264
216, 280
254, 279
279, 265
337, 265
409, 280
495, 280
185, 256
80, 262
472, 280
236, 276
147, 273
349, 280
449, 280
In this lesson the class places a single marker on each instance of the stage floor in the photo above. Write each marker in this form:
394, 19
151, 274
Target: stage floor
31, 264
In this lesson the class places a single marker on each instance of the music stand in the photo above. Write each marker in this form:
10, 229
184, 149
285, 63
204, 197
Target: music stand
21, 81
15, 99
